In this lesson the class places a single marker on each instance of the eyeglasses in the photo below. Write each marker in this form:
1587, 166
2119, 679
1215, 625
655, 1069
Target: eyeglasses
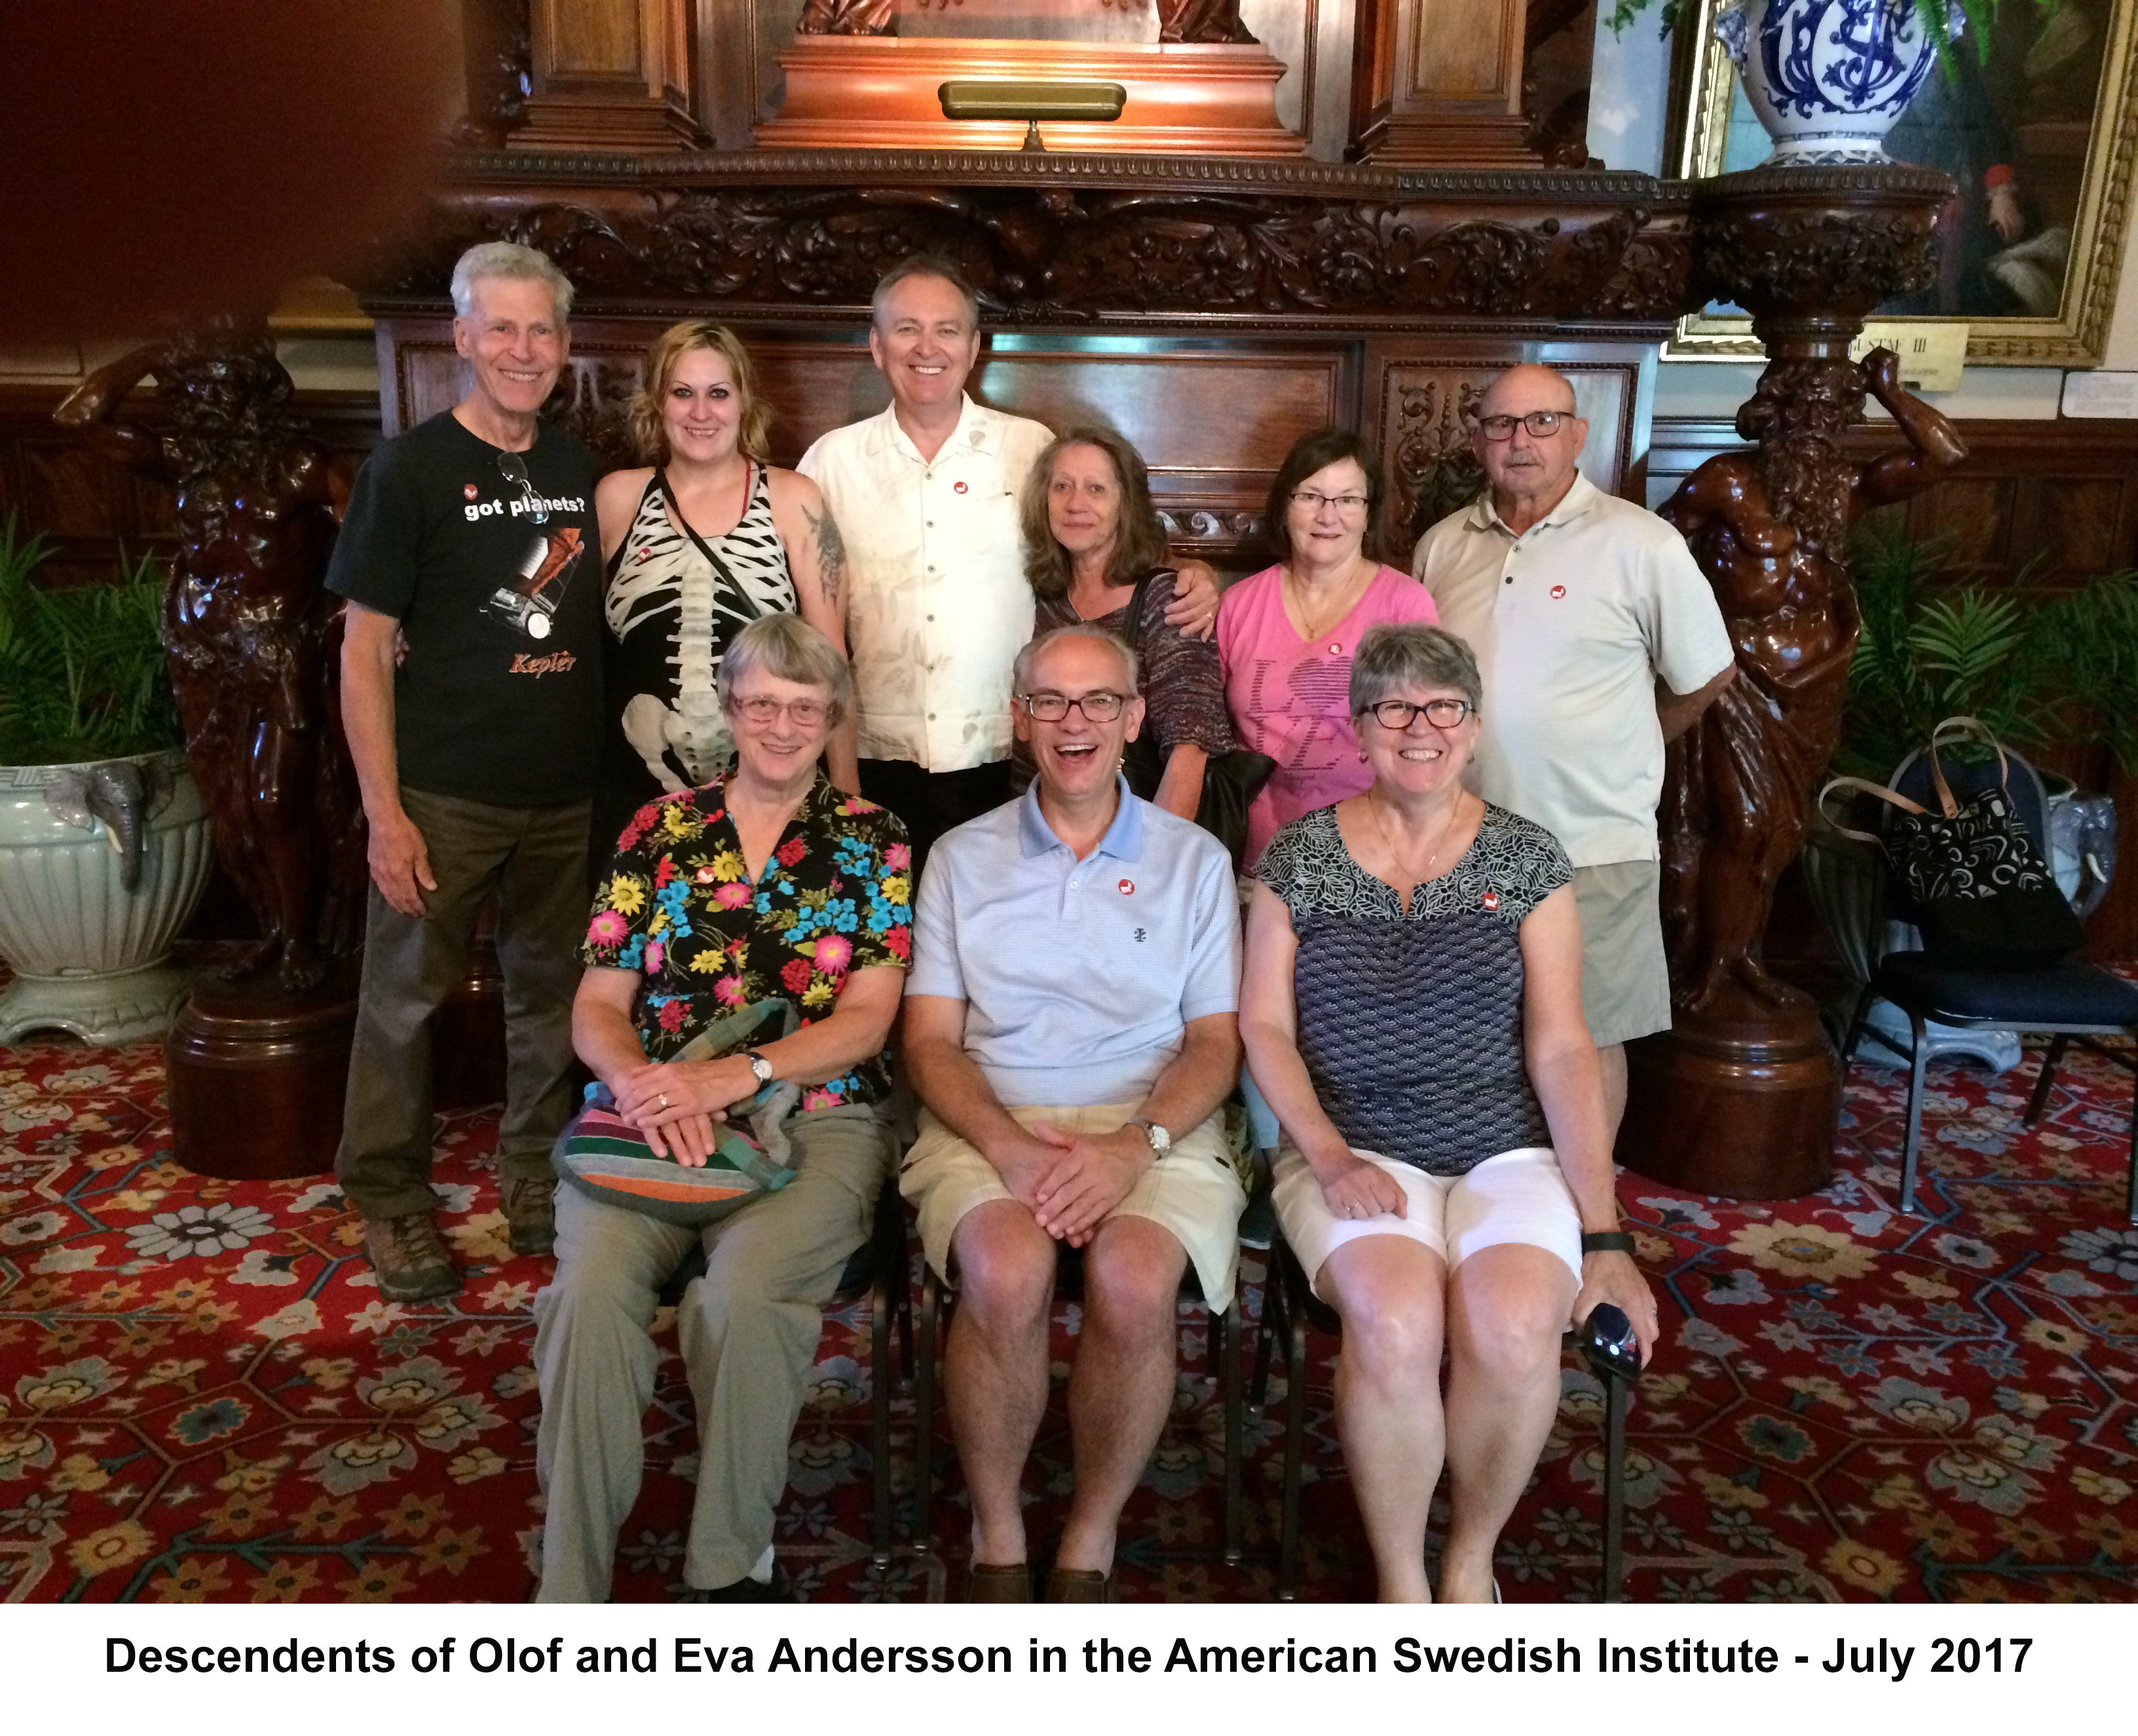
1542, 424
1313, 500
514, 468
1399, 714
807, 713
1102, 706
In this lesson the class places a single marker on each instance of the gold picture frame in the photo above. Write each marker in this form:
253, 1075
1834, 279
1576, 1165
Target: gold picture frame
2091, 208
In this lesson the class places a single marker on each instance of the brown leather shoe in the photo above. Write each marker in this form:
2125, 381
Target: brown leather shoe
531, 1213
987, 1583
410, 1257
1079, 1585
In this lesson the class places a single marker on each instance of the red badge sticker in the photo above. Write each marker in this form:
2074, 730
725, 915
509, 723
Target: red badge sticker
470, 489
957, 488
1125, 887
1557, 592
1491, 901
706, 874
1336, 649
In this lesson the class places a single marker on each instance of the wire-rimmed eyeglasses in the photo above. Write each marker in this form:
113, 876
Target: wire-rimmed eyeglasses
514, 468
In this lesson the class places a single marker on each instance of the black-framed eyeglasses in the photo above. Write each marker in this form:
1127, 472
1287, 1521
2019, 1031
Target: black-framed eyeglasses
1102, 706
1399, 714
514, 468
1542, 424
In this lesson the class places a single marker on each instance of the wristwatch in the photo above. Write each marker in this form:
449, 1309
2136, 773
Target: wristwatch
1161, 1142
760, 1069
1606, 1241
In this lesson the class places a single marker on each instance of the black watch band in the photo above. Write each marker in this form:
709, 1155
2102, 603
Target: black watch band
1606, 1241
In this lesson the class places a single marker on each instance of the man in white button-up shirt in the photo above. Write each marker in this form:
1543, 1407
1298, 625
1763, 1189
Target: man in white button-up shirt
1599, 638
925, 495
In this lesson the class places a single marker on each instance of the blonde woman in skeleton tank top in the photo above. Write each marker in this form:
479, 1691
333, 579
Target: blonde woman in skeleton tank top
697, 545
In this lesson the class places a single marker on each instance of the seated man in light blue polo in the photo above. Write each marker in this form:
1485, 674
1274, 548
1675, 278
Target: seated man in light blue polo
1072, 1029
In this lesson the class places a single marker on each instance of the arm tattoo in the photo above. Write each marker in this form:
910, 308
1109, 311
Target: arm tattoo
831, 554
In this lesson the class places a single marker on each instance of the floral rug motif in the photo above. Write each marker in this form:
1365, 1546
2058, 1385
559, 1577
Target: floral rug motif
203, 1395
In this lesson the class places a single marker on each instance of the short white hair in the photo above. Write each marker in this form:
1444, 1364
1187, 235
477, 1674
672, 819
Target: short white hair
508, 259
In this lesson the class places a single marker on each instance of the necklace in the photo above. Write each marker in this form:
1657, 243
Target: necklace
1347, 594
1395, 856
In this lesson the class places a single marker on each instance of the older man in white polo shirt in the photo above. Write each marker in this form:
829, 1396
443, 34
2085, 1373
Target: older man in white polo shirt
1599, 639
925, 496
1072, 1027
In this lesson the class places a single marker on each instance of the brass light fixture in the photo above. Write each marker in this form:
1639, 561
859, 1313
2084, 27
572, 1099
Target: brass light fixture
1031, 100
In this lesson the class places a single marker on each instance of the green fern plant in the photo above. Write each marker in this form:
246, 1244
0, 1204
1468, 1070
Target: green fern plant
82, 667
2035, 665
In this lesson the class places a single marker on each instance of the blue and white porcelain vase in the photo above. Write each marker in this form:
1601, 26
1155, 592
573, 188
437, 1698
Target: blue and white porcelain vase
1828, 77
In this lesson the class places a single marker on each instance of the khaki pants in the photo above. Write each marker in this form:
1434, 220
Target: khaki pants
749, 1329
534, 859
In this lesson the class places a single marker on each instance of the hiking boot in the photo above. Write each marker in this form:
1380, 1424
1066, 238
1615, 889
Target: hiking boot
531, 1213
410, 1257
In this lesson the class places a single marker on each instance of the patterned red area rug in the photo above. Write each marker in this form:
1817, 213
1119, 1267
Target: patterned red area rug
204, 1398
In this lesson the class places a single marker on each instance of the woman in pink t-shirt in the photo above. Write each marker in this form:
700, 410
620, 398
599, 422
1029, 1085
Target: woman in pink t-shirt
1287, 634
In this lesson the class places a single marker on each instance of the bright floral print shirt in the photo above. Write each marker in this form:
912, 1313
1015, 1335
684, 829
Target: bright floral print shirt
678, 906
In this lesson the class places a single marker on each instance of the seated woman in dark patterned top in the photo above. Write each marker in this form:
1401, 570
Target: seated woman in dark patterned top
1412, 1010
1092, 539
769, 883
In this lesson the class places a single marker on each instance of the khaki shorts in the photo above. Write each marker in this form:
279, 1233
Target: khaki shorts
1517, 1196
1191, 1192
1625, 984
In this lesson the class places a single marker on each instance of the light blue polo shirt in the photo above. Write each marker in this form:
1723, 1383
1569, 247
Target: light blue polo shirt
1079, 977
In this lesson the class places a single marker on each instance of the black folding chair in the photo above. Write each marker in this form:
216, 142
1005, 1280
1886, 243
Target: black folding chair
2072, 1002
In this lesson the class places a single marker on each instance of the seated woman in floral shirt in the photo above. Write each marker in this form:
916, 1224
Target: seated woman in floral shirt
769, 883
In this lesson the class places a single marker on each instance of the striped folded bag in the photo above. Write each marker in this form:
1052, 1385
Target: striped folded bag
607, 1158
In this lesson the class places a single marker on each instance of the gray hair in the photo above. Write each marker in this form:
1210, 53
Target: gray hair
508, 259
788, 648
1410, 654
1131, 670
924, 265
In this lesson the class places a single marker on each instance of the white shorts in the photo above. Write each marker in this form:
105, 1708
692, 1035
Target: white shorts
1517, 1196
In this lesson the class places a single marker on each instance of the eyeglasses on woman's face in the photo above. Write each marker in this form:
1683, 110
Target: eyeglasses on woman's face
1399, 714
1349, 505
1542, 424
808, 713
1101, 705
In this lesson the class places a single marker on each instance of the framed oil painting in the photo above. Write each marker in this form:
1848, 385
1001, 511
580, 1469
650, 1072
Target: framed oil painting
2039, 132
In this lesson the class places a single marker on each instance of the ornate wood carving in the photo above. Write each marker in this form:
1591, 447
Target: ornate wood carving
253, 637
1740, 1095
1074, 239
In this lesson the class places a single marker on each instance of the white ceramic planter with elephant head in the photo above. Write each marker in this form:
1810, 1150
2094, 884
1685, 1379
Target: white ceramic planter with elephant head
100, 865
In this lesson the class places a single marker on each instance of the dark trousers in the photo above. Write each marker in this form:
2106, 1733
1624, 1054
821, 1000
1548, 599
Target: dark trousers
932, 803
534, 859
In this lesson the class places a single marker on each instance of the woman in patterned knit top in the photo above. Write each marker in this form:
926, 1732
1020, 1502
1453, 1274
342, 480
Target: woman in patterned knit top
1091, 537
1411, 1010
705, 540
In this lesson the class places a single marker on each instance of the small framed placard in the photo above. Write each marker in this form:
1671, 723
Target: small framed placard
2101, 392
1933, 353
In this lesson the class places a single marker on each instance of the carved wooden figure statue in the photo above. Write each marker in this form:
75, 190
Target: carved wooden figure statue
1770, 529
253, 637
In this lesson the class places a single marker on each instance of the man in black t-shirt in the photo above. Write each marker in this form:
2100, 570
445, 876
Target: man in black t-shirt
471, 694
